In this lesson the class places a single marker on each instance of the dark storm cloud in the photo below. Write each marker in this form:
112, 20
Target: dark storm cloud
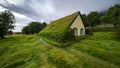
24, 8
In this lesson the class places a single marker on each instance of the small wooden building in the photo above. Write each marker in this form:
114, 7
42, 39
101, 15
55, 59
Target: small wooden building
65, 28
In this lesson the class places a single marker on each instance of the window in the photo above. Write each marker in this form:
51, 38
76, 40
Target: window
75, 31
81, 31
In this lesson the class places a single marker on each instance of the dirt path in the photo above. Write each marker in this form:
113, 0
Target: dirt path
53, 46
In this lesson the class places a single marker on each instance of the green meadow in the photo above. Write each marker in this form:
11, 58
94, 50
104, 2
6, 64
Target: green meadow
101, 50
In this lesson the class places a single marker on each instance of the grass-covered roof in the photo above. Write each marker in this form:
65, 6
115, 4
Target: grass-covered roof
60, 24
59, 29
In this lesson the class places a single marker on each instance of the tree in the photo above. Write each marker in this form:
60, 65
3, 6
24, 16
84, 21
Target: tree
7, 22
87, 24
94, 19
85, 19
43, 25
113, 15
104, 19
33, 27
26, 30
10, 32
118, 33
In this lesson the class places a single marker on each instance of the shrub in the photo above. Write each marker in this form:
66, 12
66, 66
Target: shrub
104, 29
68, 36
118, 33
88, 32
63, 36
33, 27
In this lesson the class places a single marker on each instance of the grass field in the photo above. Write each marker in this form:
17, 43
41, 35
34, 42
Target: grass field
27, 51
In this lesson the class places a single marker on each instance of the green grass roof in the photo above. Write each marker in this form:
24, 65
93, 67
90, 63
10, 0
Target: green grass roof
60, 25
58, 30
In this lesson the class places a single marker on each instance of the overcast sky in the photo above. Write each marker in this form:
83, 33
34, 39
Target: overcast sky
26, 11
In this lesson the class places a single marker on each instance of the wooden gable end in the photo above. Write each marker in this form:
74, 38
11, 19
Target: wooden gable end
78, 25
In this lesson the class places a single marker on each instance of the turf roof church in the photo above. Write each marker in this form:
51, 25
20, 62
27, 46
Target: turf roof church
60, 29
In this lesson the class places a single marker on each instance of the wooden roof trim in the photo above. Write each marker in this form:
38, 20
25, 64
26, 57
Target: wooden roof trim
77, 13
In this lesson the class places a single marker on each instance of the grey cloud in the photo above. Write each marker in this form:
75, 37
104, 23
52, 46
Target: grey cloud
85, 6
24, 8
49, 10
